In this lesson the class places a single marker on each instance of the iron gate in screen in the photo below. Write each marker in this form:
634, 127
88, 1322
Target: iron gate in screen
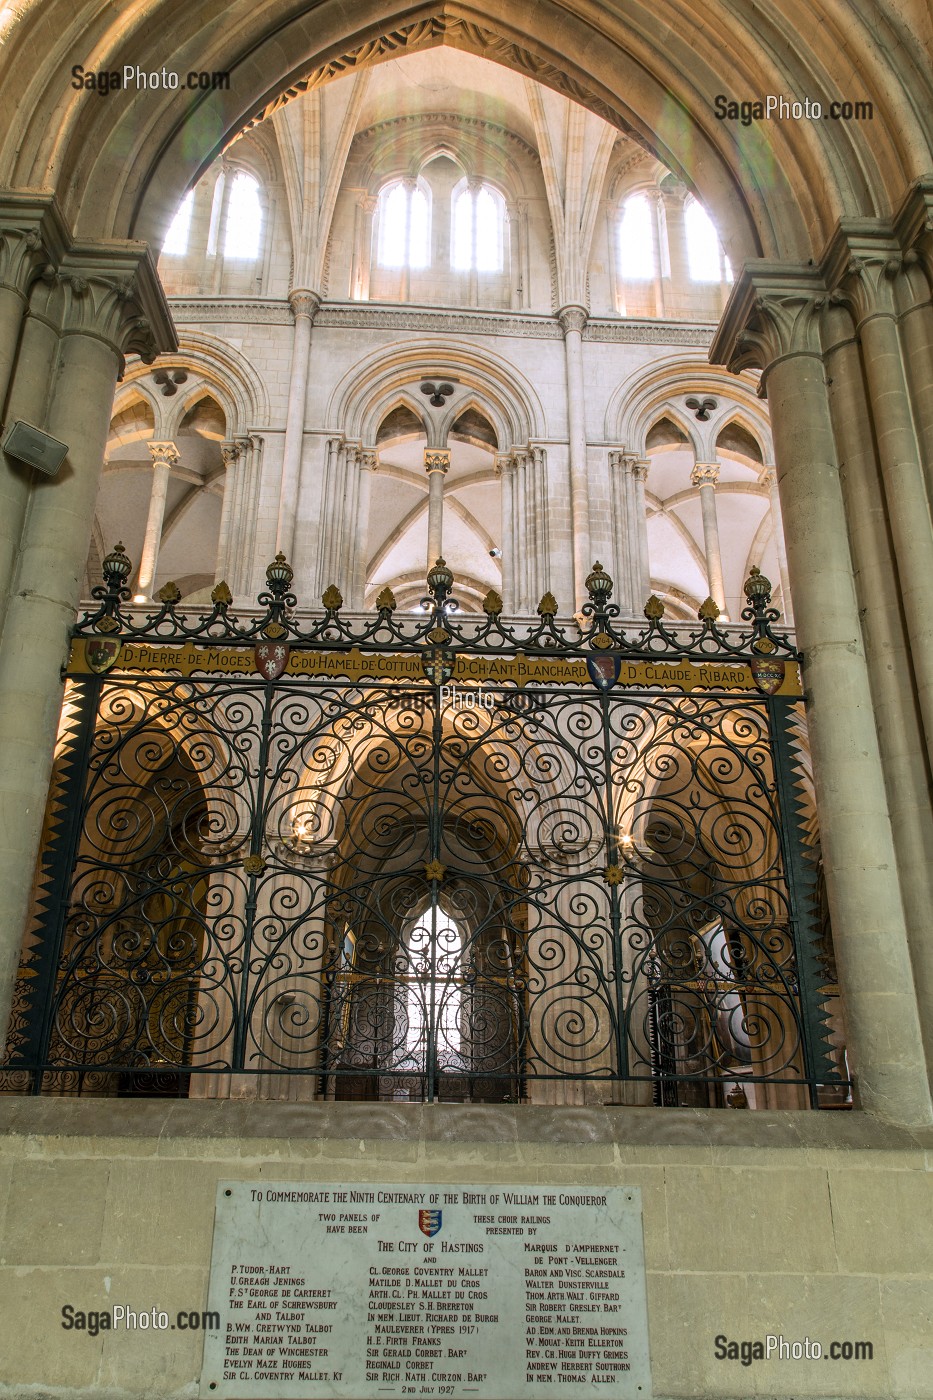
438, 856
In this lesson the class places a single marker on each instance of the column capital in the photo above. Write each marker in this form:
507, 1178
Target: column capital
913, 226
368, 459
768, 477
862, 266
773, 312
33, 239
437, 459
705, 474
503, 462
166, 454
229, 451
304, 302
573, 317
367, 202
108, 292
640, 466
622, 459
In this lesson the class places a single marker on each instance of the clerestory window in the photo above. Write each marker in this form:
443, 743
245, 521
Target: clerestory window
705, 257
478, 234
403, 214
636, 240
176, 240
243, 230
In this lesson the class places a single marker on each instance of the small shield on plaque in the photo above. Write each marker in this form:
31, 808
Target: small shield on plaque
271, 659
429, 1222
438, 664
767, 673
101, 653
604, 670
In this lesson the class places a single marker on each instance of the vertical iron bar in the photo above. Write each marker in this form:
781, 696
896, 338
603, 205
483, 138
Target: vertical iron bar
434, 833
62, 853
257, 832
800, 875
615, 897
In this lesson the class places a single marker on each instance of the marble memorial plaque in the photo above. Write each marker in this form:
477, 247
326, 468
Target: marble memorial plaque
394, 1290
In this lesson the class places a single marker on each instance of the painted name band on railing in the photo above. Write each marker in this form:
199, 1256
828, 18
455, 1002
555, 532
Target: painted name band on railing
355, 665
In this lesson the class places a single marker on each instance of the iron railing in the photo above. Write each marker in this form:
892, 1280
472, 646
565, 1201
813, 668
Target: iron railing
431, 856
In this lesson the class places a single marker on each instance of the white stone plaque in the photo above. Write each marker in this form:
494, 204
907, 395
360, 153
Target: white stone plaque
392, 1290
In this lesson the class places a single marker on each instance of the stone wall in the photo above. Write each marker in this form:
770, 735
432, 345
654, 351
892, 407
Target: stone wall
803, 1225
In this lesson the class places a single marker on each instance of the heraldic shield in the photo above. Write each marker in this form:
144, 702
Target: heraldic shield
438, 664
604, 670
429, 1222
101, 653
767, 673
271, 659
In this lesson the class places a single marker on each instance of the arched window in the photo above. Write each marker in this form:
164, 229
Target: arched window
176, 240
434, 973
242, 235
636, 240
404, 226
478, 229
705, 258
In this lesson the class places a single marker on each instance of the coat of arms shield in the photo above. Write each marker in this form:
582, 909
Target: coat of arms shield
101, 653
604, 670
767, 673
271, 659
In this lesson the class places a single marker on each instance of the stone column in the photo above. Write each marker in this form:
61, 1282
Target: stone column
107, 301
573, 319
32, 239
363, 246
164, 458
622, 497
304, 306
704, 477
769, 479
640, 525
772, 322
230, 452
437, 465
504, 467
869, 289
367, 465
899, 725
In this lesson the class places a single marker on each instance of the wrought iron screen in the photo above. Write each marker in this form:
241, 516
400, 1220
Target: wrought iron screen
430, 859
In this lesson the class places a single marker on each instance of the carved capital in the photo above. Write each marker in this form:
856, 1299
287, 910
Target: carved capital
164, 454
772, 312
640, 467
368, 459
230, 452
867, 286
705, 474
33, 239
573, 318
437, 459
304, 303
503, 462
768, 477
621, 460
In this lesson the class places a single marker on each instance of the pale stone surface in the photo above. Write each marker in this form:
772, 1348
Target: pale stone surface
742, 1247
